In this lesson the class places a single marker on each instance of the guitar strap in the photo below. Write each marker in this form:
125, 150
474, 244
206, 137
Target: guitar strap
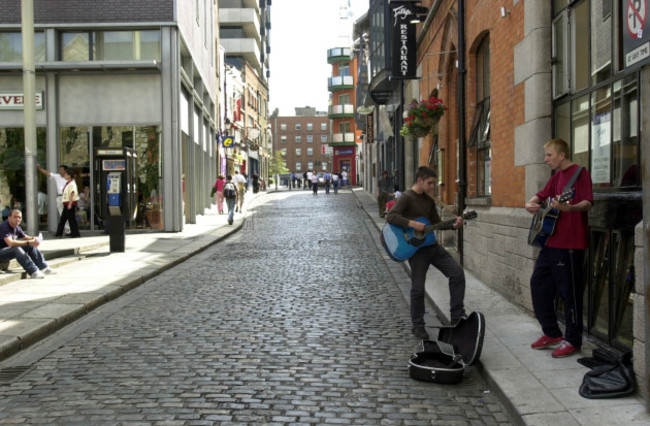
573, 180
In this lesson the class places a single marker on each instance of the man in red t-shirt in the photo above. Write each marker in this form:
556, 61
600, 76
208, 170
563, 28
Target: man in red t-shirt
559, 265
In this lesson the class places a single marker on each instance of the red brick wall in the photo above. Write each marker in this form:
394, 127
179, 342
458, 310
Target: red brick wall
507, 101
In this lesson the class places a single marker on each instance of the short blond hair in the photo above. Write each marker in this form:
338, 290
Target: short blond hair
559, 145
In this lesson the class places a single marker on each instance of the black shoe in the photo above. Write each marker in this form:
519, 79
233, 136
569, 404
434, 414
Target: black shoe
58, 236
420, 333
230, 222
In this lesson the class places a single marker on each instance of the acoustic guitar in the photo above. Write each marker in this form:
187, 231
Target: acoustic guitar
402, 243
543, 224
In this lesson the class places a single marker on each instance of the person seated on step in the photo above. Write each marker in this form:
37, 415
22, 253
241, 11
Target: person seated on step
15, 244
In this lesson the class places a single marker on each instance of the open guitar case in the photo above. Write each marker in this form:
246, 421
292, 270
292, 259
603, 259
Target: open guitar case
446, 359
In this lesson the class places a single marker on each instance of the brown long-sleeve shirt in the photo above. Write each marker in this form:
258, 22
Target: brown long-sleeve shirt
411, 205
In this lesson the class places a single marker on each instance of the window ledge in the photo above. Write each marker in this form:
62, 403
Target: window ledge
479, 201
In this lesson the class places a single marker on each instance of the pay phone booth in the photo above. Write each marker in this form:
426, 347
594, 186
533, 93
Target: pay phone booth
116, 191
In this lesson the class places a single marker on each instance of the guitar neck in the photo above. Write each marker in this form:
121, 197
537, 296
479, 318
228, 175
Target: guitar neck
447, 224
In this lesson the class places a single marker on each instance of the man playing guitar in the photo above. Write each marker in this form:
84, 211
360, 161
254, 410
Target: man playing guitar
559, 266
412, 204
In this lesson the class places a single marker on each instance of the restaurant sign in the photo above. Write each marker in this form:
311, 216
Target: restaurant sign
403, 40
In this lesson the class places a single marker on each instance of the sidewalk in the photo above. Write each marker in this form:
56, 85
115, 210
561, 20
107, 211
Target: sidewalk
90, 275
538, 389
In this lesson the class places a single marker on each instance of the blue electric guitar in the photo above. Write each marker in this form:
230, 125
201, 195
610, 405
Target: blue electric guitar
544, 220
402, 243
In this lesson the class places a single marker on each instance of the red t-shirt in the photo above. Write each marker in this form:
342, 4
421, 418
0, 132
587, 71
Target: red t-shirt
571, 228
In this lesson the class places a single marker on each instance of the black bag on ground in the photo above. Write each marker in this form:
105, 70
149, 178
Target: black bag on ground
446, 359
608, 380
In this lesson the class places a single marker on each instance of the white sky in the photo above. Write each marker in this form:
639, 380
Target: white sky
301, 33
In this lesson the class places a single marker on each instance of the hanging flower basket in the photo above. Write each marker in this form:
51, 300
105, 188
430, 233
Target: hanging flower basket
423, 117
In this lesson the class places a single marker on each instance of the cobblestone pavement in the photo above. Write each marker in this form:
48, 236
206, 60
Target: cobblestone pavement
296, 319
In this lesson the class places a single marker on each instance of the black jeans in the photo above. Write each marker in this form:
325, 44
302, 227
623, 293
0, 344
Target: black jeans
559, 271
437, 256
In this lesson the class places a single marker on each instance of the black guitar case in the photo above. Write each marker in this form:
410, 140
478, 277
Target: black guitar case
446, 359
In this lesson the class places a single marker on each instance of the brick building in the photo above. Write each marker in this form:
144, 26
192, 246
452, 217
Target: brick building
302, 139
513, 75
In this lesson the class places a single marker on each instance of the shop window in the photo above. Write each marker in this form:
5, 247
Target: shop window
12, 172
585, 38
603, 129
11, 47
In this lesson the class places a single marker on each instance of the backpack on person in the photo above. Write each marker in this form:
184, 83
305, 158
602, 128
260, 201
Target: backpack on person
229, 190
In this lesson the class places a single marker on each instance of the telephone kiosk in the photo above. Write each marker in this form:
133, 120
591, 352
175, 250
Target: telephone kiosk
116, 187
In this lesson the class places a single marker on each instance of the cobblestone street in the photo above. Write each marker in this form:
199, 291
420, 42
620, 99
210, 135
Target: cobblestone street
295, 319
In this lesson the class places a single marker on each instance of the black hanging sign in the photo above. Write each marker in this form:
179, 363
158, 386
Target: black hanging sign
404, 49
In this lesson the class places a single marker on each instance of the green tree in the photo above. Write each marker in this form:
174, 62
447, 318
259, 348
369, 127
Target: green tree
278, 167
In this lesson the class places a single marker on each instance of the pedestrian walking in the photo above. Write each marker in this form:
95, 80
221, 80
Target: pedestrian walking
256, 183
59, 181
559, 265
412, 204
293, 180
344, 178
15, 244
70, 197
240, 182
327, 177
218, 191
336, 180
314, 182
385, 188
230, 193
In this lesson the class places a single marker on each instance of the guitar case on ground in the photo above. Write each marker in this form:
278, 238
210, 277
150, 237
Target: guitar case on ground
446, 359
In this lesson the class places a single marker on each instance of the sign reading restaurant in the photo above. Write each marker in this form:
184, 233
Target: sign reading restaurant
16, 100
403, 41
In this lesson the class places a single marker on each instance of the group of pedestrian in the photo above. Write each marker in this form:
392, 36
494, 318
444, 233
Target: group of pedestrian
231, 189
559, 266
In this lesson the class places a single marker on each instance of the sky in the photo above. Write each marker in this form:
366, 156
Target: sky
301, 33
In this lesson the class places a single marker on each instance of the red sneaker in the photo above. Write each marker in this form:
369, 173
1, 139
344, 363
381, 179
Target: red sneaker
565, 349
545, 341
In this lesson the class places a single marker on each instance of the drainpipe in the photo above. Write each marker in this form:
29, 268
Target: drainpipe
462, 160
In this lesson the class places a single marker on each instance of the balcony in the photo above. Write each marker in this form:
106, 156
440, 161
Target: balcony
342, 139
340, 83
341, 111
244, 47
247, 19
339, 54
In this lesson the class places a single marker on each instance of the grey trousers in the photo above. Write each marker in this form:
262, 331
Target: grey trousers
437, 256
